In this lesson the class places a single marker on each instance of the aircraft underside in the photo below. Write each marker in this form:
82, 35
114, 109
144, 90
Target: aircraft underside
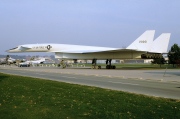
106, 56
99, 56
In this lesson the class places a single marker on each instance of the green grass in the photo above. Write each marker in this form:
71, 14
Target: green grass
142, 66
31, 98
138, 66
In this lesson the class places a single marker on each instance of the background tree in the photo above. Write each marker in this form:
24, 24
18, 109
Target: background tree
7, 57
159, 61
174, 55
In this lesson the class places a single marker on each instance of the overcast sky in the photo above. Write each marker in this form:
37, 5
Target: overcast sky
109, 23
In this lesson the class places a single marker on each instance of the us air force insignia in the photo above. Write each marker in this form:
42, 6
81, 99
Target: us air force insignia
49, 47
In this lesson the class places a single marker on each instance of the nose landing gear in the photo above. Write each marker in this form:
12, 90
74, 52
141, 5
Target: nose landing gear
94, 66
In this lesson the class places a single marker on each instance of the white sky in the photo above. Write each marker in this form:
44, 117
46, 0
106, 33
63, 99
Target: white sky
109, 23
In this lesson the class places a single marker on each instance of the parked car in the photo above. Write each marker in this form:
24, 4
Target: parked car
24, 64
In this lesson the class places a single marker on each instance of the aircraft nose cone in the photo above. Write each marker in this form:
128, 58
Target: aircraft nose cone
7, 50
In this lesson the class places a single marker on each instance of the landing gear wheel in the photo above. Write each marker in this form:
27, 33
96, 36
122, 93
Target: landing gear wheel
113, 67
110, 67
93, 67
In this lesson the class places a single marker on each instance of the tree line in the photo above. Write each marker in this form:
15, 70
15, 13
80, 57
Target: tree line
173, 57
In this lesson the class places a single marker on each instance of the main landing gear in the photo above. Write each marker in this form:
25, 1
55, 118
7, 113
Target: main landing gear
94, 66
62, 64
108, 64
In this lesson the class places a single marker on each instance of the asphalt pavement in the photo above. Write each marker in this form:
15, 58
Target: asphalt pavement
158, 83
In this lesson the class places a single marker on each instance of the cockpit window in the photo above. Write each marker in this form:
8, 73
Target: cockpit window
14, 48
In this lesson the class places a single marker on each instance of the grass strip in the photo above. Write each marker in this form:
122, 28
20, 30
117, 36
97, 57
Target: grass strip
138, 66
31, 98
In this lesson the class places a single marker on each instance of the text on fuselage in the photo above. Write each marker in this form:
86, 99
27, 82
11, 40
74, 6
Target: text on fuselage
143, 41
48, 47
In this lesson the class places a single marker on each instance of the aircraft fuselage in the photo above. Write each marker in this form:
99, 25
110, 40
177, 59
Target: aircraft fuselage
100, 56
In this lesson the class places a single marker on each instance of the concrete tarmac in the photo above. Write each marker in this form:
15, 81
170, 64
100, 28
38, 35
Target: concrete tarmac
149, 82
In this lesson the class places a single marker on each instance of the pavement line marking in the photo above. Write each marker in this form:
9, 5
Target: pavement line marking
154, 79
118, 77
134, 78
40, 74
69, 77
23, 72
123, 83
173, 81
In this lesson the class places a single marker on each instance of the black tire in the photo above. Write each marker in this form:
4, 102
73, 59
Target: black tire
113, 67
108, 67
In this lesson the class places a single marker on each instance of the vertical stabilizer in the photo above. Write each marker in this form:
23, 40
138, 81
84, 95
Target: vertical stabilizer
144, 42
160, 44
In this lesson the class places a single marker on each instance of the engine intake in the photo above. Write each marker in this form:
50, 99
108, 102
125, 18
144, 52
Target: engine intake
151, 56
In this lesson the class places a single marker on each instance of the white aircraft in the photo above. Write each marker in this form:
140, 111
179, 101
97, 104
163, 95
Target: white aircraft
3, 61
142, 47
11, 60
37, 61
32, 62
8, 61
